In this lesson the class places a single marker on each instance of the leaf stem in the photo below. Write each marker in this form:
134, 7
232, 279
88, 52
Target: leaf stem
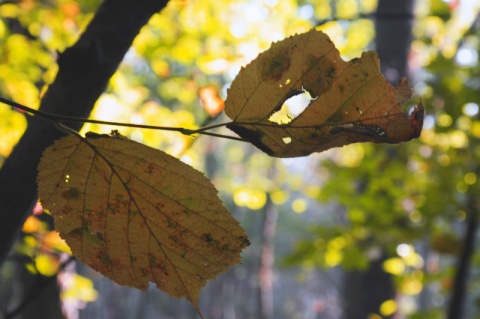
66, 118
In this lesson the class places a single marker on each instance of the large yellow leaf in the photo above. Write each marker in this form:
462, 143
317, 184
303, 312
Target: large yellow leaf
352, 101
136, 214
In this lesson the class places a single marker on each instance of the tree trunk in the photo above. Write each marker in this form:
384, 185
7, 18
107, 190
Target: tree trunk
267, 259
366, 291
393, 28
456, 307
39, 295
84, 72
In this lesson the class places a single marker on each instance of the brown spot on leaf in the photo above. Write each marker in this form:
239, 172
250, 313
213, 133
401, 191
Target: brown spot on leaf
320, 75
273, 67
71, 193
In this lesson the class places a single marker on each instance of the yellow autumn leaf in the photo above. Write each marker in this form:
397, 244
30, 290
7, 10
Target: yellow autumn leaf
79, 288
47, 265
350, 101
136, 214
52, 240
31, 224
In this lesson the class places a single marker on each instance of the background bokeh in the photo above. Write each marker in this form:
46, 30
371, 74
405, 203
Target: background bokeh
316, 223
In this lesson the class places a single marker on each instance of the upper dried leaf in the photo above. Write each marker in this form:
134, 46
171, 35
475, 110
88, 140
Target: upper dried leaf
136, 214
352, 101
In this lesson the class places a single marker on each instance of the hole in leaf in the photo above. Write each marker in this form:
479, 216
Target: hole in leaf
287, 140
292, 107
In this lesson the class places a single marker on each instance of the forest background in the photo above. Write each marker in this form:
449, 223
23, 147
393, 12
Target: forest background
363, 231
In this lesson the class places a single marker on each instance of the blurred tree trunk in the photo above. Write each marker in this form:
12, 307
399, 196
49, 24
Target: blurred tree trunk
46, 303
366, 291
267, 258
456, 307
393, 28
84, 72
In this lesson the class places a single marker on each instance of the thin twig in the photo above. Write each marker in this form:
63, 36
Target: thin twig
66, 118
184, 131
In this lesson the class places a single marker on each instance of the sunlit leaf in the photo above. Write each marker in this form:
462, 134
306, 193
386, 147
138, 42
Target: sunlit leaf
211, 101
31, 224
279, 196
388, 307
351, 101
31, 268
252, 198
410, 286
136, 214
53, 240
79, 288
47, 265
395, 266
12, 126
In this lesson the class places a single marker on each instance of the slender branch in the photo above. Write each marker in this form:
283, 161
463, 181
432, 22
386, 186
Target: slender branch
65, 118
202, 130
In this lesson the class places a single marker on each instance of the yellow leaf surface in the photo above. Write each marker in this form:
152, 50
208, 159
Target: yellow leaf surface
351, 101
136, 214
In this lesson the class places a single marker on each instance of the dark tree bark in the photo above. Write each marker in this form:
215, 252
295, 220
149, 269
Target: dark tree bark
393, 28
456, 307
366, 291
84, 71
36, 296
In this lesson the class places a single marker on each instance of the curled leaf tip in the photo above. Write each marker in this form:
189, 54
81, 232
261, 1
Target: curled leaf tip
417, 117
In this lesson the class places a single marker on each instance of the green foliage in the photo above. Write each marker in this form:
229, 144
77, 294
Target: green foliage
412, 194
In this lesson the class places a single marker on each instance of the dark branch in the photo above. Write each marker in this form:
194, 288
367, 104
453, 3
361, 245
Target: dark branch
41, 283
84, 72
